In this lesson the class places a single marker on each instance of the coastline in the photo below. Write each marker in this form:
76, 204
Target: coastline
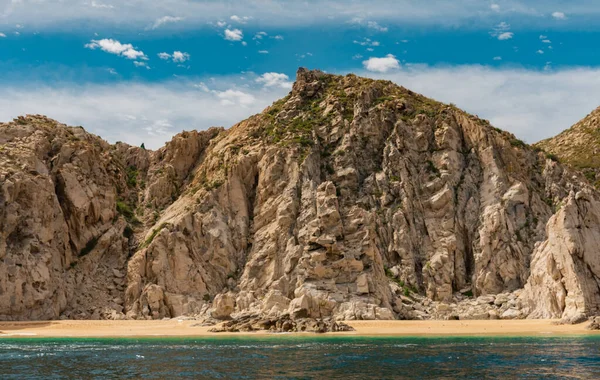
189, 328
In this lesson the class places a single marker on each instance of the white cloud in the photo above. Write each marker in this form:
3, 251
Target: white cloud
505, 36
278, 37
369, 24
559, 15
233, 35
166, 20
2, 35
259, 35
141, 64
238, 19
498, 58
180, 57
547, 41
382, 65
495, 7
501, 31
115, 47
540, 52
542, 37
177, 56
366, 42
233, 97
263, 52
275, 80
376, 26
221, 24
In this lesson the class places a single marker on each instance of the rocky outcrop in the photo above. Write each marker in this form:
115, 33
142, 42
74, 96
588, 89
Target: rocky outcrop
565, 271
348, 199
594, 324
61, 238
578, 146
281, 324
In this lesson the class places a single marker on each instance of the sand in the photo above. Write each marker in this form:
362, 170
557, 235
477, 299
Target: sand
187, 328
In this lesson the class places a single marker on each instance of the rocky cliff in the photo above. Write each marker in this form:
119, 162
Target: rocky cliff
348, 199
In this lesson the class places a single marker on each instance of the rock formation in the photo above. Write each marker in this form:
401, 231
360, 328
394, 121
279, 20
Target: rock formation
578, 146
348, 199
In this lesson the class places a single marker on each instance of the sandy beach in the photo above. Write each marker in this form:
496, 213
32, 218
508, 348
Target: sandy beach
187, 328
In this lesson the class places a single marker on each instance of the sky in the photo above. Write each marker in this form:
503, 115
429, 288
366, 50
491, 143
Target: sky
140, 71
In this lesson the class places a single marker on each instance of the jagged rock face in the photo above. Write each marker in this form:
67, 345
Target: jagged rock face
60, 236
67, 216
565, 272
345, 200
579, 146
308, 208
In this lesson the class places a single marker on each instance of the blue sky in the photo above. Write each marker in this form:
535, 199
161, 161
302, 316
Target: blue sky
141, 71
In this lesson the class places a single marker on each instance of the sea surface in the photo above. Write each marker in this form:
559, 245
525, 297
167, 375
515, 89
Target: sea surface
301, 357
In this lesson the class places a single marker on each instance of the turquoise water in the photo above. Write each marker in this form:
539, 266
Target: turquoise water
304, 357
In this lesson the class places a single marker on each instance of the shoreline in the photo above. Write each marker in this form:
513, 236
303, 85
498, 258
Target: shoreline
188, 329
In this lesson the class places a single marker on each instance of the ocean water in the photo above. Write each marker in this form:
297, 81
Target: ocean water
301, 357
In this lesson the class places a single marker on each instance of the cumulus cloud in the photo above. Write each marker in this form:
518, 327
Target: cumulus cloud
497, 58
559, 15
177, 56
505, 36
238, 19
2, 35
233, 35
274, 80
540, 52
263, 52
165, 20
115, 47
382, 65
495, 7
180, 57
